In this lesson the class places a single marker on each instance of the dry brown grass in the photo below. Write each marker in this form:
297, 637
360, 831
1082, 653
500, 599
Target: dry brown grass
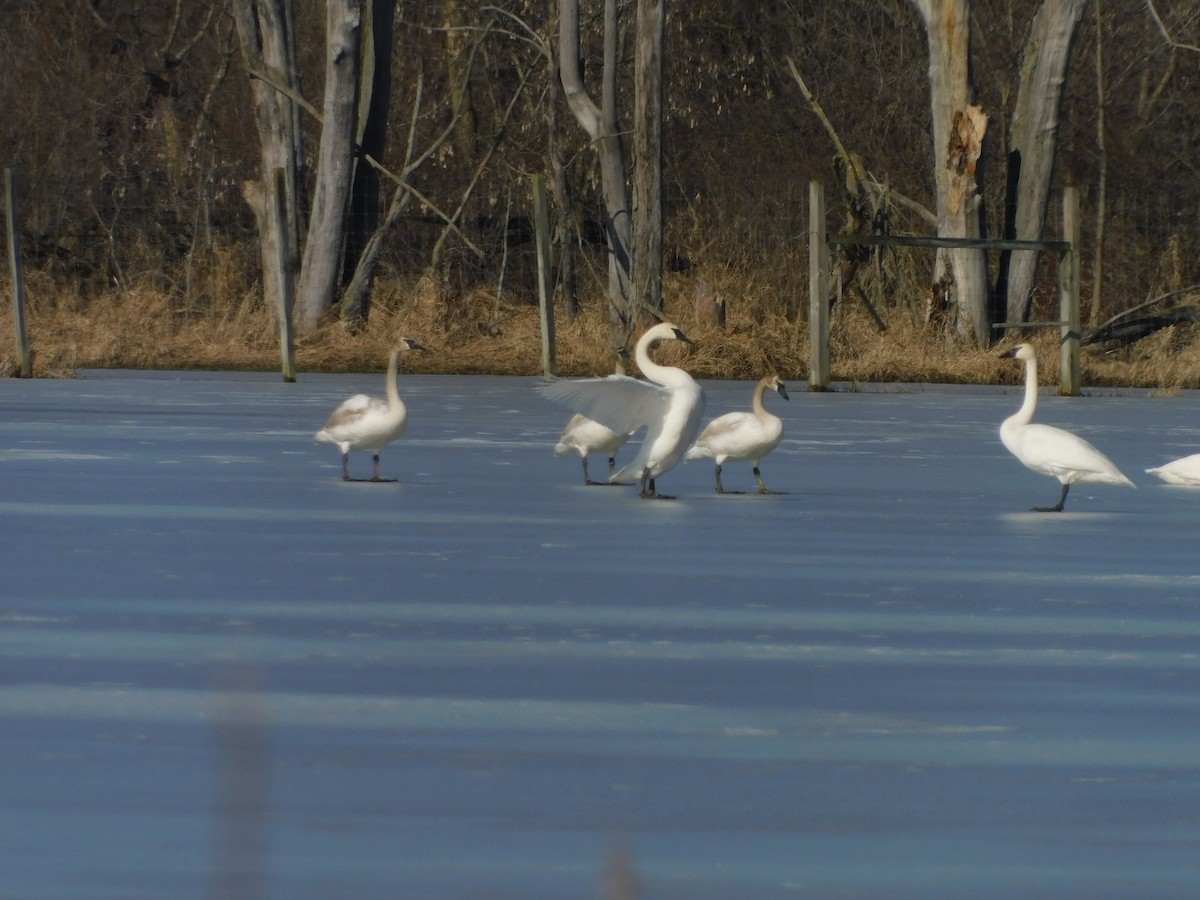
140, 328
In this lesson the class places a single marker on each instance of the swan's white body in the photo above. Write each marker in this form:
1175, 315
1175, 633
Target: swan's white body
368, 423
583, 436
670, 406
1049, 450
1180, 471
742, 435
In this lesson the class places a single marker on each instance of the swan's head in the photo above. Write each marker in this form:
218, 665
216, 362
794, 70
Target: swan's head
665, 331
1023, 352
775, 383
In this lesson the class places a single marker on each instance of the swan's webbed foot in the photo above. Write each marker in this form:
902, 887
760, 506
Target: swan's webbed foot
762, 487
648, 491
721, 487
1058, 507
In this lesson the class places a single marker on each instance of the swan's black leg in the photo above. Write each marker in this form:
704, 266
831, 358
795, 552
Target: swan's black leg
612, 467
375, 472
648, 490
345, 467
762, 488
586, 478
720, 487
646, 484
1062, 500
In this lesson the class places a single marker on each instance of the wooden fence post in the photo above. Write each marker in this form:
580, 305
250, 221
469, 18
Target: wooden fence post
287, 286
818, 295
1068, 296
20, 336
541, 225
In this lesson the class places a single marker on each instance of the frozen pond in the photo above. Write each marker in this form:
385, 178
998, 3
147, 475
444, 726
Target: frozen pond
226, 672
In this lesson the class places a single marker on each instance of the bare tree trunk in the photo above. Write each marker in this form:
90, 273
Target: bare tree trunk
600, 122
647, 156
958, 129
1032, 141
375, 91
321, 268
460, 54
1102, 180
266, 35
564, 230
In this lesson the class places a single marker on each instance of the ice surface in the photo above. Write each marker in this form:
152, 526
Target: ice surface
227, 670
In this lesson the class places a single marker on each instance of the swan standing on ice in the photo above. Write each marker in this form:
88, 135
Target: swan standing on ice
1181, 471
670, 405
367, 423
742, 435
1049, 450
583, 436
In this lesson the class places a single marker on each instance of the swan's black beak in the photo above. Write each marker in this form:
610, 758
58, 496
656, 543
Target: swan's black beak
412, 345
1009, 354
680, 336
783, 392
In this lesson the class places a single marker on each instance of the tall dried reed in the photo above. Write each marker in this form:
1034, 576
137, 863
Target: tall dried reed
142, 328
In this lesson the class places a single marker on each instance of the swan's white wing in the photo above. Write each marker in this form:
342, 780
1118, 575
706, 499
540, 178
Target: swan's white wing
727, 425
352, 410
1066, 456
622, 403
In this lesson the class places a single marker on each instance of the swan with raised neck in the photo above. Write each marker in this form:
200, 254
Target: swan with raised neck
743, 435
1048, 450
669, 404
368, 423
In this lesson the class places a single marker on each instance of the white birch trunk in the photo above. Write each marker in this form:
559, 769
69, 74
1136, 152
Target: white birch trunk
647, 152
600, 122
957, 132
321, 268
265, 34
1034, 137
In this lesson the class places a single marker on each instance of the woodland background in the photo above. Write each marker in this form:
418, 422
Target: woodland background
130, 125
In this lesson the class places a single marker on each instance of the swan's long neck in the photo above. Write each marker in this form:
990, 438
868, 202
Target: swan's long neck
1024, 415
759, 390
393, 393
666, 375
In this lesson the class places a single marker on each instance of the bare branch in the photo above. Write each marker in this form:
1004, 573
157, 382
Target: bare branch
1162, 28
371, 161
853, 163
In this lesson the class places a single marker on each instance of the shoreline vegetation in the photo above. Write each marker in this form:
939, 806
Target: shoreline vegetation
144, 329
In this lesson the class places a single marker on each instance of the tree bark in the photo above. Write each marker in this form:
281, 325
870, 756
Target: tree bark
958, 129
565, 206
374, 106
321, 268
266, 34
647, 155
1032, 142
600, 122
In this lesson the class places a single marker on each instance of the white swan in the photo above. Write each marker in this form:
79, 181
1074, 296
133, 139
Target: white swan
583, 436
670, 406
1180, 471
367, 423
1049, 450
742, 435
